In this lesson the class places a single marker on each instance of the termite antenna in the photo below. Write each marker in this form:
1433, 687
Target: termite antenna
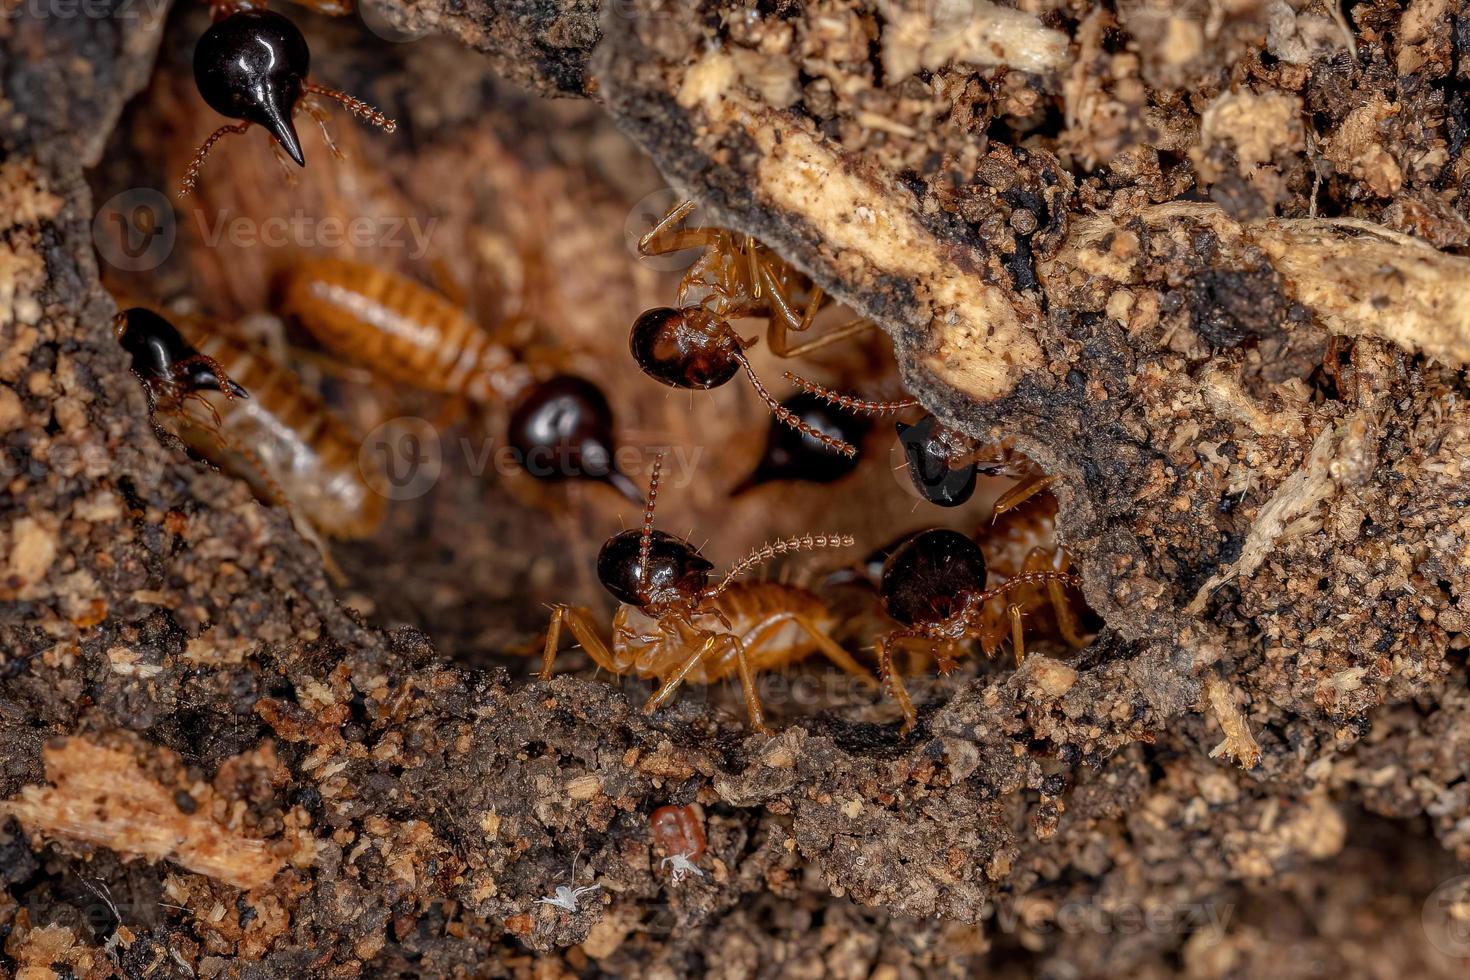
786, 546
357, 107
191, 176
787, 416
979, 600
851, 403
645, 542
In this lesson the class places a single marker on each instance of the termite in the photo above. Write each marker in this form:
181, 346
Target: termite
284, 442
295, 451
402, 331
694, 345
790, 454
173, 371
673, 626
252, 65
943, 464
561, 427
935, 585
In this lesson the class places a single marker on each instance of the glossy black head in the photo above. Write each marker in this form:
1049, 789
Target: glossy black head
563, 430
251, 66
675, 568
928, 457
160, 354
794, 455
685, 348
928, 577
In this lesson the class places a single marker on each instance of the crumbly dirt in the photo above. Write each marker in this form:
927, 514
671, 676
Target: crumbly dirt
1205, 266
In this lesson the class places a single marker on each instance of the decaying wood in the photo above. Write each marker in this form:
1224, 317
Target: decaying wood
102, 796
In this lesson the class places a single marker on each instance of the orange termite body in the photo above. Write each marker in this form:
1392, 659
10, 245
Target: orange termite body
678, 830
294, 451
402, 331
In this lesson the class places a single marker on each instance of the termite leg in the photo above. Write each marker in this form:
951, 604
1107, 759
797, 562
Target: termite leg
1056, 593
287, 165
833, 652
1018, 633
579, 621
782, 347
672, 682
313, 108
747, 683
664, 238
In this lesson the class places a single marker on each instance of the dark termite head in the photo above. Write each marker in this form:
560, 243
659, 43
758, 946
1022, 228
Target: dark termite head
792, 454
672, 569
928, 453
161, 356
644, 567
685, 348
563, 429
930, 577
252, 65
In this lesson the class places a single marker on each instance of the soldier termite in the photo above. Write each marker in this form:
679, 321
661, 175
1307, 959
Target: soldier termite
252, 65
561, 427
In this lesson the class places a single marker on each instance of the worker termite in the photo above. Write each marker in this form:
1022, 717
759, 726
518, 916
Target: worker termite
943, 464
793, 455
289, 446
673, 626
402, 331
283, 442
694, 346
252, 65
935, 585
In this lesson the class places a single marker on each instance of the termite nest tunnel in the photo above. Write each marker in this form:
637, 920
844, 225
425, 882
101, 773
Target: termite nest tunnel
461, 481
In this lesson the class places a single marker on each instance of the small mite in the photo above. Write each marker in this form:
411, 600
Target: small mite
562, 429
678, 830
673, 626
793, 455
252, 65
402, 331
694, 346
934, 584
